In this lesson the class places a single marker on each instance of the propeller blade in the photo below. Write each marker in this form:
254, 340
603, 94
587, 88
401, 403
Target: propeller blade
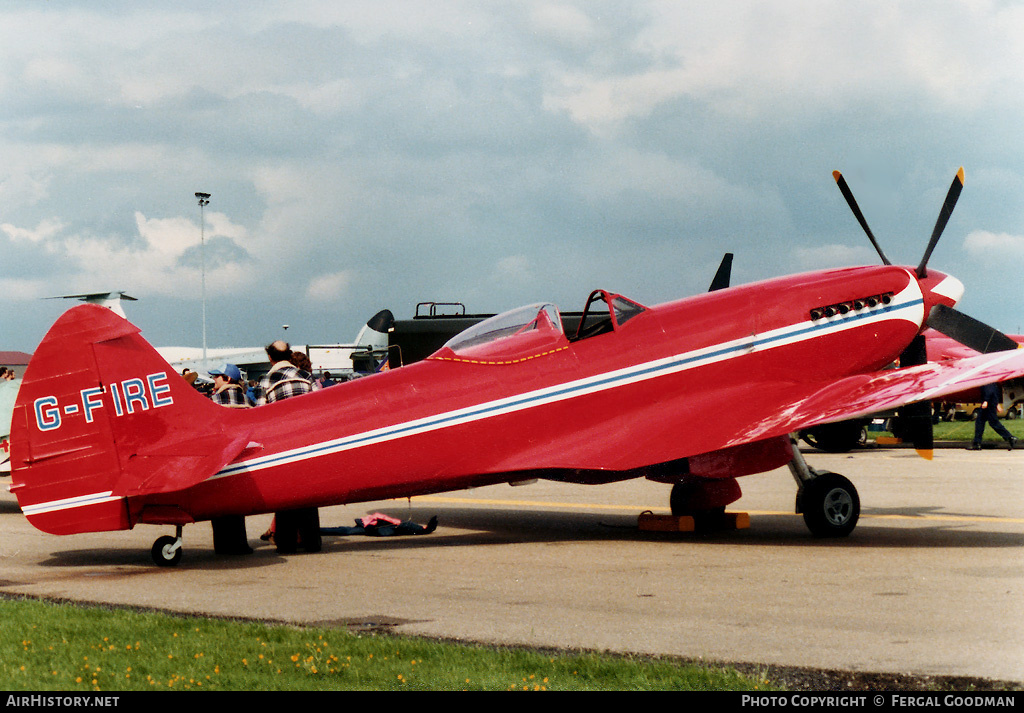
917, 421
940, 224
916, 353
916, 418
722, 277
968, 331
848, 195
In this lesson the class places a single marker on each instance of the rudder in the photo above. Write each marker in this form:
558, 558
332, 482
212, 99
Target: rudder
94, 396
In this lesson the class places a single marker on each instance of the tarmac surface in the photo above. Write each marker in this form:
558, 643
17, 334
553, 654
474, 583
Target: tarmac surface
929, 584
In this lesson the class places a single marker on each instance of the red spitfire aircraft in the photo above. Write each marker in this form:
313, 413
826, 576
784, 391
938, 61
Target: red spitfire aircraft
106, 436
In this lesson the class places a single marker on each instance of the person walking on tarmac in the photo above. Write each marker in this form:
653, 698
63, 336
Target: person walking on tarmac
991, 407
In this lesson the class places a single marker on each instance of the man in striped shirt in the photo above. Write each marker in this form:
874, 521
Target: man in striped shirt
284, 380
290, 529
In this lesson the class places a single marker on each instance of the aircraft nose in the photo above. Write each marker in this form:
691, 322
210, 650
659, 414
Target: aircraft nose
939, 288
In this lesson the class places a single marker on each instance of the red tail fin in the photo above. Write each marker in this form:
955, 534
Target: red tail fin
96, 403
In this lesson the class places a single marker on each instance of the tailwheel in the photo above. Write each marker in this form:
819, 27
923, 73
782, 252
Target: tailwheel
167, 550
830, 505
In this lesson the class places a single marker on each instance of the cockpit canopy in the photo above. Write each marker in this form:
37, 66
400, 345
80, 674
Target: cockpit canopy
541, 317
537, 330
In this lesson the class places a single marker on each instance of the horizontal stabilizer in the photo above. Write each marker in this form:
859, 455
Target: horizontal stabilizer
169, 467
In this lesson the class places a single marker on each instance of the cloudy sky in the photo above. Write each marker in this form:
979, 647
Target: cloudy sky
363, 155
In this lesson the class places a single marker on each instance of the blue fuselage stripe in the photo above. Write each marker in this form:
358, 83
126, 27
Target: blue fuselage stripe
557, 393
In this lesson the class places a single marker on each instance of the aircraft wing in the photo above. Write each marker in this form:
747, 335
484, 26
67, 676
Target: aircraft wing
940, 347
866, 394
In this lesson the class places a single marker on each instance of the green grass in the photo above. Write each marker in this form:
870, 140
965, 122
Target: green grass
66, 647
964, 431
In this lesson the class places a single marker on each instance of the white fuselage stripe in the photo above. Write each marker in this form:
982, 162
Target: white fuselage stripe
69, 503
906, 306
909, 308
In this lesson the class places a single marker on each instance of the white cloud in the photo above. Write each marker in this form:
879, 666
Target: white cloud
326, 288
22, 187
755, 59
168, 237
107, 263
44, 232
327, 98
827, 256
510, 274
146, 272
18, 289
490, 151
218, 224
983, 244
600, 101
562, 22
25, 185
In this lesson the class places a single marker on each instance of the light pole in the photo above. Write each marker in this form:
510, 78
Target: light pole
204, 200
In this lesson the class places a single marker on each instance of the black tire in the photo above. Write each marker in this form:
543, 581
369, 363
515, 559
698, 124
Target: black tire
162, 553
309, 530
286, 532
679, 499
830, 505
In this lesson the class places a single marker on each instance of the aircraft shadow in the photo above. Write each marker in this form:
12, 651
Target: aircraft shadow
493, 527
139, 562
503, 527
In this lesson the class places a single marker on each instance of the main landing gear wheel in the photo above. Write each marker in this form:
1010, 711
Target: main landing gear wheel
704, 500
830, 505
167, 550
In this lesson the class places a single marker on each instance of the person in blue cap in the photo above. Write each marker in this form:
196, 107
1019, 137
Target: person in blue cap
229, 537
227, 389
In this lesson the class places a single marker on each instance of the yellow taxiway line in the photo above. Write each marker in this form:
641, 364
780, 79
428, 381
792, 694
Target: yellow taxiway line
639, 508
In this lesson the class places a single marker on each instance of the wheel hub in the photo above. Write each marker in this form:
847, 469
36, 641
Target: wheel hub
838, 506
